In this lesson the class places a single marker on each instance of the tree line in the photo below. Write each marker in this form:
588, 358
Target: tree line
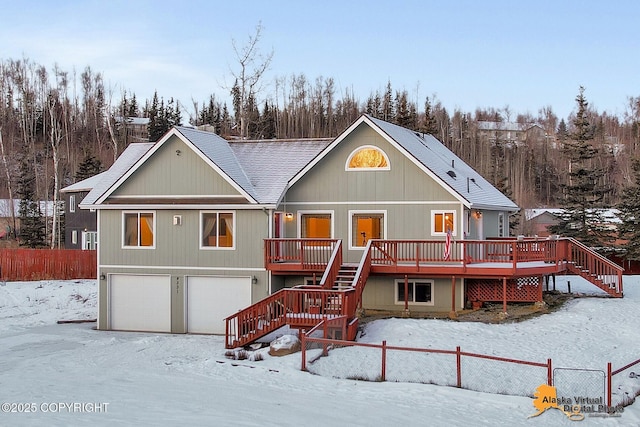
58, 126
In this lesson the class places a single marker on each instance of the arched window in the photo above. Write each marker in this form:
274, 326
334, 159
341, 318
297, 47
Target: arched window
368, 157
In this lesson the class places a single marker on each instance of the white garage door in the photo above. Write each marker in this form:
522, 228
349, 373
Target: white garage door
211, 299
140, 302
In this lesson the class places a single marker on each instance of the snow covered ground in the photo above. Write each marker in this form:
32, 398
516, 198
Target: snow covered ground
70, 374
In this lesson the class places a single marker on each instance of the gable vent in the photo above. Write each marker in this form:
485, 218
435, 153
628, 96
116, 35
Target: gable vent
452, 174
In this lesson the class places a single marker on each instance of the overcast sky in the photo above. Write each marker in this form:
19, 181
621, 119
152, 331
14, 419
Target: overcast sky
468, 54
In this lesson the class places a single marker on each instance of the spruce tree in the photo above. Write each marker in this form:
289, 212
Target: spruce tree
89, 167
583, 194
32, 223
629, 228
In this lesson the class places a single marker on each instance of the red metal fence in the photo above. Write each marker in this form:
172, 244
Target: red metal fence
43, 264
455, 368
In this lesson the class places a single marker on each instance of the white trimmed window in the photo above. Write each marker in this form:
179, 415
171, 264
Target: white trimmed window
367, 157
74, 237
419, 292
315, 225
90, 240
139, 229
443, 221
366, 225
217, 230
72, 203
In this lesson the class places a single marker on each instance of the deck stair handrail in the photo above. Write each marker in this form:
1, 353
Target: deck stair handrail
333, 267
595, 268
362, 274
299, 307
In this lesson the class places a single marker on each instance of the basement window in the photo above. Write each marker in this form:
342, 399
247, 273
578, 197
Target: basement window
420, 292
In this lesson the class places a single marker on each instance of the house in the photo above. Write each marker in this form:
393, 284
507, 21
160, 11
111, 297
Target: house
10, 215
511, 132
80, 225
202, 235
538, 221
133, 129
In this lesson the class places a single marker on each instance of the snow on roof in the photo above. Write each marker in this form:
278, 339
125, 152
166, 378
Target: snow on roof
610, 215
506, 126
5, 208
139, 121
85, 184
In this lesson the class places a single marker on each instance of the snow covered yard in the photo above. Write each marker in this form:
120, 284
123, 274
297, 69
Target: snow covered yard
148, 379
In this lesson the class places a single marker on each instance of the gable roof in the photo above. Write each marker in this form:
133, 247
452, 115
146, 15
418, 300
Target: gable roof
262, 171
216, 151
436, 160
241, 163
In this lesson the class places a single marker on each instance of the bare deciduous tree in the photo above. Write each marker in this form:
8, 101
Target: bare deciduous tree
252, 66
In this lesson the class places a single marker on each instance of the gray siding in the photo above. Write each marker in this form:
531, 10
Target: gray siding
379, 294
167, 174
405, 192
180, 245
328, 180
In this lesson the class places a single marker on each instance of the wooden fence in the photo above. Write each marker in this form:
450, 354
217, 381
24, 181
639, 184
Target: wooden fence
43, 264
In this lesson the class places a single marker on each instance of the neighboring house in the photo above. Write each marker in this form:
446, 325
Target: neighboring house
136, 129
538, 221
7, 219
81, 228
511, 132
194, 228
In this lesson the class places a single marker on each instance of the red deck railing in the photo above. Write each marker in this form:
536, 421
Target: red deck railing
302, 307
303, 254
305, 306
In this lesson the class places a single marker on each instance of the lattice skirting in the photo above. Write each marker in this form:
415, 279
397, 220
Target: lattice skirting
522, 289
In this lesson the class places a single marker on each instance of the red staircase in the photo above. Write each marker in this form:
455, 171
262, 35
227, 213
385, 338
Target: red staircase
303, 307
595, 268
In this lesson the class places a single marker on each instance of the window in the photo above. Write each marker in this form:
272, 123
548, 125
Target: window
217, 230
74, 237
419, 292
501, 228
315, 226
366, 226
72, 203
367, 157
89, 240
139, 229
443, 221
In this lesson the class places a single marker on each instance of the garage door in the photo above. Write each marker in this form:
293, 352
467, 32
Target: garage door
211, 299
140, 302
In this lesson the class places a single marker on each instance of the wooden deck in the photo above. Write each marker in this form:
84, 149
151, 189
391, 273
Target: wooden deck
477, 258
497, 261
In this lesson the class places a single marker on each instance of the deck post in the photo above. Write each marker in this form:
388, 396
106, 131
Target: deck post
406, 295
504, 295
453, 314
